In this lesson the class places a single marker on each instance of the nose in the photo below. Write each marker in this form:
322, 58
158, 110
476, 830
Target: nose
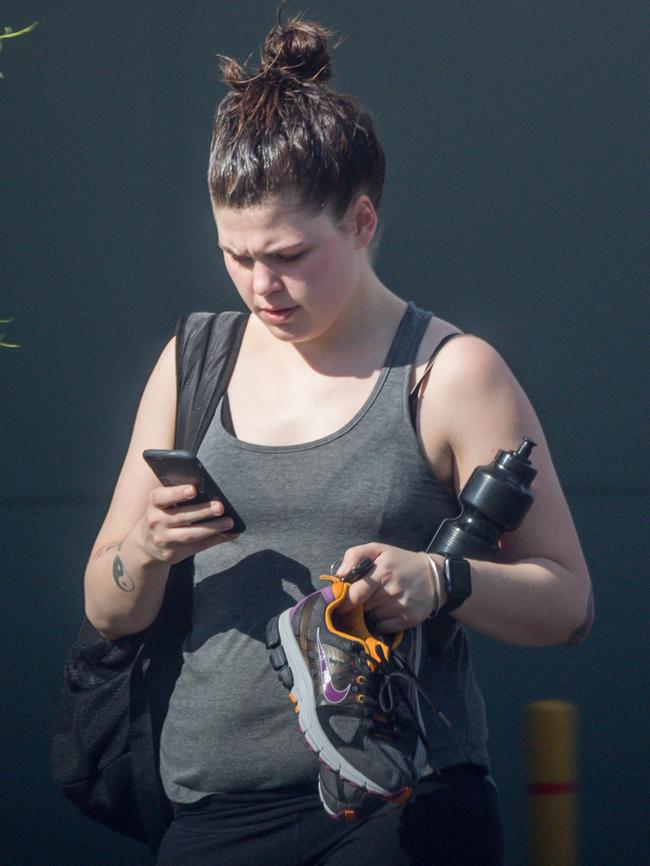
265, 280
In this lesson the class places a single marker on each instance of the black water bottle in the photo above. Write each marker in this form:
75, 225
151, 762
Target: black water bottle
495, 500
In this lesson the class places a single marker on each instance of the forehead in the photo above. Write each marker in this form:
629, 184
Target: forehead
274, 221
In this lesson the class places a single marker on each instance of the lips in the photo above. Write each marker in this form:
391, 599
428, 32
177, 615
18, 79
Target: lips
277, 315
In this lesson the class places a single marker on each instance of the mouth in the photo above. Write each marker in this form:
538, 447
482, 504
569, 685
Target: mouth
276, 315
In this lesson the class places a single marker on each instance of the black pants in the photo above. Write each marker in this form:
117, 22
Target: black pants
453, 821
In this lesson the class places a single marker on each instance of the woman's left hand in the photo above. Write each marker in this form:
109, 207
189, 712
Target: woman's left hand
397, 591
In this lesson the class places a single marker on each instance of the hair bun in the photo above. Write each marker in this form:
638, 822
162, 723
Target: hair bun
298, 49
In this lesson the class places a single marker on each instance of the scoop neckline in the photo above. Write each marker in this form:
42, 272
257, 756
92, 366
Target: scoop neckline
331, 437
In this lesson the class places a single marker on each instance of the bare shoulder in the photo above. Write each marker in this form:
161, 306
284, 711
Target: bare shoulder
156, 417
467, 368
154, 427
470, 365
475, 392
163, 375
471, 404
437, 330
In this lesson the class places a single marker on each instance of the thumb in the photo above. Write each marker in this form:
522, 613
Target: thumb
354, 555
360, 592
365, 586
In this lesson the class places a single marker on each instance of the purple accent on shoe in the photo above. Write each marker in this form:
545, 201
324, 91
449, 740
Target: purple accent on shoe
331, 694
297, 606
328, 593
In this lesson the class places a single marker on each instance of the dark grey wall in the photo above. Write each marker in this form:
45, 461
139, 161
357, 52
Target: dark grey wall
512, 208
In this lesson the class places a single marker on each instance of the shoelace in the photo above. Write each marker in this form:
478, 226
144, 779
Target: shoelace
368, 674
383, 678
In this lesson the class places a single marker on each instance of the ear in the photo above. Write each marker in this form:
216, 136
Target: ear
363, 221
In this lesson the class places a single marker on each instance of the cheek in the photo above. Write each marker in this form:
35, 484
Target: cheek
238, 276
326, 270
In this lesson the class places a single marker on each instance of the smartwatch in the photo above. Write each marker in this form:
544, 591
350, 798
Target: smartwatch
458, 582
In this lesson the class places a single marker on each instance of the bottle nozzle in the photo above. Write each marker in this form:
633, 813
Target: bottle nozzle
525, 448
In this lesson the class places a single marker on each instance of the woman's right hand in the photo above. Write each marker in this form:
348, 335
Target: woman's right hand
173, 529
148, 527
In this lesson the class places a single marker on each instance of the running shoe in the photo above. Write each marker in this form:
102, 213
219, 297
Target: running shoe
343, 800
337, 674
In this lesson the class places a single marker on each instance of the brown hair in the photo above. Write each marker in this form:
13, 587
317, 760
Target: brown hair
285, 131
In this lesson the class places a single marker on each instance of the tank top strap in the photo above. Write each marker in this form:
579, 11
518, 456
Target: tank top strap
405, 345
392, 390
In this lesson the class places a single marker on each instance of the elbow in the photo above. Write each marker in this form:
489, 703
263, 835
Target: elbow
582, 625
568, 622
101, 624
109, 625
114, 630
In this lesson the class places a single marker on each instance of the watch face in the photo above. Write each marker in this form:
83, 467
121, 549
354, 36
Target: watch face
458, 578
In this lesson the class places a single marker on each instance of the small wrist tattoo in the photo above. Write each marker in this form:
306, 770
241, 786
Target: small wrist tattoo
120, 575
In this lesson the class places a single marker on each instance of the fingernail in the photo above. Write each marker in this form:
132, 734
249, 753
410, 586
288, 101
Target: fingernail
189, 491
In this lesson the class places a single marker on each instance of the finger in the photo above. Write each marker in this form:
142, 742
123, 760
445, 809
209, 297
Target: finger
390, 626
164, 497
185, 515
360, 592
214, 540
354, 555
198, 532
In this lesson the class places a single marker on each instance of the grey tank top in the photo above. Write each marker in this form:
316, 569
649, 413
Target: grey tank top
229, 727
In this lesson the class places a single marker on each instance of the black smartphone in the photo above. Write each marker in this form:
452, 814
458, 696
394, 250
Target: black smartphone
183, 467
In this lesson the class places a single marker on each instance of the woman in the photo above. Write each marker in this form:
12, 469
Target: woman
315, 446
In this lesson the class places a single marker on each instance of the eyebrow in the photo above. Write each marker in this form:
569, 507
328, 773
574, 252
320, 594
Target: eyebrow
271, 252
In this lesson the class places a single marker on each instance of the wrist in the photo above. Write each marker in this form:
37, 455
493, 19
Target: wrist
141, 554
438, 588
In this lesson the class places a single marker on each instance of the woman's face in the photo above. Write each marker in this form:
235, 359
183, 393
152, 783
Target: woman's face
297, 271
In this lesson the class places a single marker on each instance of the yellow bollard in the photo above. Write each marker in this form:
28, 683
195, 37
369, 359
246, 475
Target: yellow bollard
551, 734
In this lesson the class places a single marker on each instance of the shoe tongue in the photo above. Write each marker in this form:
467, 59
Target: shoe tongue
352, 624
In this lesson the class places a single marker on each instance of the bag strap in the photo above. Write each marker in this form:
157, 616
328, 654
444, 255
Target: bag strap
206, 350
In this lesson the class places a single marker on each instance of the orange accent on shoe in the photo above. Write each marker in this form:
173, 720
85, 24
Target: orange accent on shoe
331, 577
403, 797
293, 698
350, 815
351, 625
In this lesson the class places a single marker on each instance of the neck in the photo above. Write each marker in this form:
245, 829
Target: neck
358, 340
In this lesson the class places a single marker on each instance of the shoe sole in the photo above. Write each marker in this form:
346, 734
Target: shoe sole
352, 813
294, 675
343, 814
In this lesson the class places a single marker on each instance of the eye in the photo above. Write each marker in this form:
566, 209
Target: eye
245, 261
292, 258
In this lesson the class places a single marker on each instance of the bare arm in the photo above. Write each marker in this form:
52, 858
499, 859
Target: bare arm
542, 593
147, 527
